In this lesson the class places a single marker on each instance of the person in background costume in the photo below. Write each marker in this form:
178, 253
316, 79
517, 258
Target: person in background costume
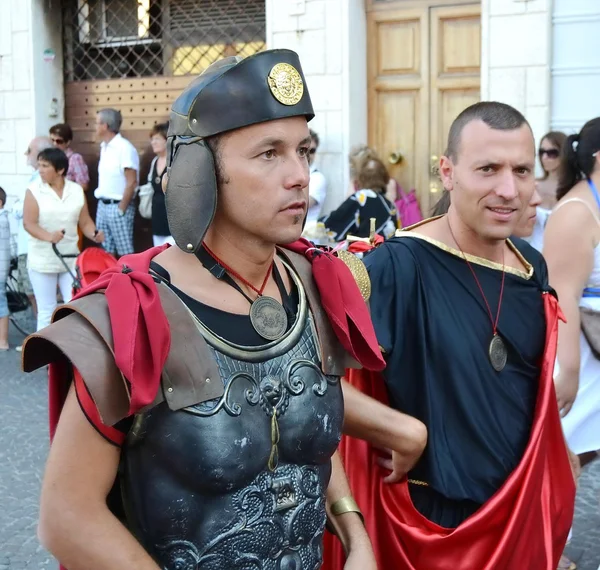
354, 215
468, 326
206, 377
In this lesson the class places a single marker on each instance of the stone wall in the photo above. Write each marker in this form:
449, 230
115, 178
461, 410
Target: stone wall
330, 37
516, 57
30, 78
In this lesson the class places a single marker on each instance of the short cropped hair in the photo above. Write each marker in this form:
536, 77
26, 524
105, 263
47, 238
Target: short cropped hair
497, 116
57, 158
2, 197
112, 118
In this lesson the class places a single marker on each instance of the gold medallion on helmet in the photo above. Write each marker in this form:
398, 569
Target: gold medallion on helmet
286, 84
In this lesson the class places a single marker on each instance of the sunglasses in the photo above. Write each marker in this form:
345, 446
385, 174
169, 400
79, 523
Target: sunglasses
312, 151
57, 141
549, 152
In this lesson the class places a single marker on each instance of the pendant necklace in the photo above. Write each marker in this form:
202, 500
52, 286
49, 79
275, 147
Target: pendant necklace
497, 351
267, 315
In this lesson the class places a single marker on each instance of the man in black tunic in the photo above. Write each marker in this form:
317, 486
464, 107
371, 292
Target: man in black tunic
466, 321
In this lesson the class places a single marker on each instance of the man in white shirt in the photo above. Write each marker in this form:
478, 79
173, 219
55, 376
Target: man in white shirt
117, 180
317, 186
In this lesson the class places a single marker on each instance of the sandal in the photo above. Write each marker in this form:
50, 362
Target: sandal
565, 564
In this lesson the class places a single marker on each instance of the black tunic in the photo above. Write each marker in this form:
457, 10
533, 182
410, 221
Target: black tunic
431, 320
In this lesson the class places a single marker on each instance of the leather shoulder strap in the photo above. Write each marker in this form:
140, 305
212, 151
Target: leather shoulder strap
190, 375
81, 335
334, 357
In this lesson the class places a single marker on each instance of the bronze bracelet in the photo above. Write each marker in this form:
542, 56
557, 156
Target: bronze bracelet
346, 505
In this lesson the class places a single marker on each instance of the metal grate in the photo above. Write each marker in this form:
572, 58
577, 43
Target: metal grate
110, 39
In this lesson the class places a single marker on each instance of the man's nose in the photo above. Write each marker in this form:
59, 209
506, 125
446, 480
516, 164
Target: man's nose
507, 188
298, 175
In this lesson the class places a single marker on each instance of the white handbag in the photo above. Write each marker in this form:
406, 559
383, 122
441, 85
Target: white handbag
146, 193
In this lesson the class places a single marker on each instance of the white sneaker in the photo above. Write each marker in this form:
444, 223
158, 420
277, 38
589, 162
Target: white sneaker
19, 348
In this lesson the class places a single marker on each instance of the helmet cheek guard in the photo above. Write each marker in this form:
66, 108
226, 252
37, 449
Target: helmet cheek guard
230, 94
191, 194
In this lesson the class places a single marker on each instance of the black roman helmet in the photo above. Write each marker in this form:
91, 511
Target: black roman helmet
230, 94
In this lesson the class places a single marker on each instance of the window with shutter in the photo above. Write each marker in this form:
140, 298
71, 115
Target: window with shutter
108, 39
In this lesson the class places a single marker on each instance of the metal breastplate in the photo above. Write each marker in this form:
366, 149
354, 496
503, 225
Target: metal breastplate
196, 484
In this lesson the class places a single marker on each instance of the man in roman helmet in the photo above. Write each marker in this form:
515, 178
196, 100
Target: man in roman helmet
196, 404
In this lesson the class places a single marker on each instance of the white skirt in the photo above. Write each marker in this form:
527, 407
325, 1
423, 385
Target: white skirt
582, 423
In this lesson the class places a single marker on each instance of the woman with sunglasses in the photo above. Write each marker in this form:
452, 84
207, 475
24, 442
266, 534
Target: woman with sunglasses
549, 153
61, 136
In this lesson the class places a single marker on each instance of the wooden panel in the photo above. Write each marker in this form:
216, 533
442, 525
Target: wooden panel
399, 47
459, 48
391, 105
143, 102
423, 69
398, 77
455, 76
386, 5
135, 84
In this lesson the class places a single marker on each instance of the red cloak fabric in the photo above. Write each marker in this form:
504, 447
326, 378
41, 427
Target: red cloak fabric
523, 526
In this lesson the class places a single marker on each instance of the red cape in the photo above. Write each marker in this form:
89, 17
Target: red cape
523, 526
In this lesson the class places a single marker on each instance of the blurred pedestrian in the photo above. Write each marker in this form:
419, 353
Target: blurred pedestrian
61, 136
54, 208
118, 171
4, 269
161, 233
317, 186
354, 215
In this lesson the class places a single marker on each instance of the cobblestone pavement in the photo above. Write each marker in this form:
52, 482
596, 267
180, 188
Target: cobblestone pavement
24, 445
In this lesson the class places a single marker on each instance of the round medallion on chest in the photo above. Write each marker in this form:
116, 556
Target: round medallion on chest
268, 317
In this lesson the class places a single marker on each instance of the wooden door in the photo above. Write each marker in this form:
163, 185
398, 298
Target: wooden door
455, 76
424, 66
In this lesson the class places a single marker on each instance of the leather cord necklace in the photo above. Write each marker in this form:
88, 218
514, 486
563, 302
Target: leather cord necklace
268, 317
497, 351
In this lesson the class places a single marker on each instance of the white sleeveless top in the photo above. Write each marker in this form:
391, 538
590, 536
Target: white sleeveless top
55, 214
537, 237
594, 278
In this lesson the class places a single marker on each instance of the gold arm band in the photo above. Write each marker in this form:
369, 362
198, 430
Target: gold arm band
346, 505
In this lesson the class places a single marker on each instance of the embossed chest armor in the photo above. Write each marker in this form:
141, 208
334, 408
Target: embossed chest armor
196, 483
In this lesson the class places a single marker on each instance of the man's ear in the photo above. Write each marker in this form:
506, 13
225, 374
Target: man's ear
446, 173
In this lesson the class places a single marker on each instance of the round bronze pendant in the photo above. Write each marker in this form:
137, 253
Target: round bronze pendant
498, 353
268, 317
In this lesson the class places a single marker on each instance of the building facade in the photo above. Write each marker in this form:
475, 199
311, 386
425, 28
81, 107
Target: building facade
389, 73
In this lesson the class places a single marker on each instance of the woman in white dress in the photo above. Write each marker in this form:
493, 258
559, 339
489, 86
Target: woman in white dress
549, 154
572, 250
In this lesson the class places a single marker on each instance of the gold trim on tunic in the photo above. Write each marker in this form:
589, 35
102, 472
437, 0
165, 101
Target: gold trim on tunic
473, 258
